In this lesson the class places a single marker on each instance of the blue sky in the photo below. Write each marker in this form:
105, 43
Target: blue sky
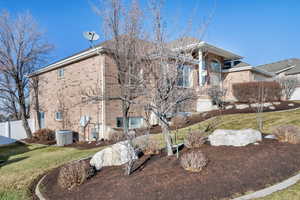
262, 31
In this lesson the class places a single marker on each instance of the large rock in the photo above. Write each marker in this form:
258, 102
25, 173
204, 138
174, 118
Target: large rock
241, 106
234, 137
117, 154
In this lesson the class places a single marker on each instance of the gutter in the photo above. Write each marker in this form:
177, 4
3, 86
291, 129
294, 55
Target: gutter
250, 68
72, 59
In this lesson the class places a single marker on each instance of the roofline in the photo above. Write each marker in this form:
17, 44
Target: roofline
77, 57
219, 51
282, 70
250, 68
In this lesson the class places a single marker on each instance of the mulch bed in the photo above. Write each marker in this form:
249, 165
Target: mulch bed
206, 115
90, 145
230, 171
37, 141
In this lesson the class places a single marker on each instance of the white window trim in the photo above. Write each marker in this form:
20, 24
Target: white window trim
190, 77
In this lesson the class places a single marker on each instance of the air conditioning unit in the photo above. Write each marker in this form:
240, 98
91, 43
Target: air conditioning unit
63, 137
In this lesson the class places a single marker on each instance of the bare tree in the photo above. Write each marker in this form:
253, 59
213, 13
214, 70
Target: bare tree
259, 102
22, 48
217, 95
34, 84
123, 27
167, 89
288, 85
8, 101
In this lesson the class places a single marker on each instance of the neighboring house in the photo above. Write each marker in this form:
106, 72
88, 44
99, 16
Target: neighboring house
62, 83
285, 68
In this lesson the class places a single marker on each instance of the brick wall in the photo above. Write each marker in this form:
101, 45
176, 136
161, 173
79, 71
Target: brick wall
57, 94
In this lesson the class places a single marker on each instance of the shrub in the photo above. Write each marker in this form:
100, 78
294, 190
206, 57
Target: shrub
74, 174
152, 147
179, 120
287, 133
44, 134
216, 93
193, 161
249, 92
194, 139
116, 136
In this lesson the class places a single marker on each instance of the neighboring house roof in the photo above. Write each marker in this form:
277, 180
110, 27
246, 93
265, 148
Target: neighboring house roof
245, 67
288, 66
239, 63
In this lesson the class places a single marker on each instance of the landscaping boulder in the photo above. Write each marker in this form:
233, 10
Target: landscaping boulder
272, 107
273, 137
241, 106
115, 155
234, 137
229, 107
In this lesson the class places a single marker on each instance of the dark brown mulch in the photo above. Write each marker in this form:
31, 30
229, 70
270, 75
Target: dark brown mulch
206, 115
230, 170
90, 145
37, 141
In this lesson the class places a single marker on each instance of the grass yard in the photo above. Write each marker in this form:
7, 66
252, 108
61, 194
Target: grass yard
26, 162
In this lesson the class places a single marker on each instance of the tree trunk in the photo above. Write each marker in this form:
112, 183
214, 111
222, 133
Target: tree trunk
23, 109
129, 164
167, 137
36, 100
37, 110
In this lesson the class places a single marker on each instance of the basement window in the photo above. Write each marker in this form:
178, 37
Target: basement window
134, 122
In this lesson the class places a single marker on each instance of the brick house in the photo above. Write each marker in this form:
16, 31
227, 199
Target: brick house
285, 68
61, 85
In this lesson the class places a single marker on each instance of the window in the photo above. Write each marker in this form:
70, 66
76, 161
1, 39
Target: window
184, 76
215, 66
60, 72
215, 75
58, 116
134, 122
41, 116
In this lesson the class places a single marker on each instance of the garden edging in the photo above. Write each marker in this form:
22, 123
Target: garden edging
269, 190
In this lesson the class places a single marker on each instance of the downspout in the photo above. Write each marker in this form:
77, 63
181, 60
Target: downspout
103, 96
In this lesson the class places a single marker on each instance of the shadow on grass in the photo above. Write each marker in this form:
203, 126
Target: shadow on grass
7, 162
17, 148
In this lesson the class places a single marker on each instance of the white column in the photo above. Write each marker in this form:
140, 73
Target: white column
201, 65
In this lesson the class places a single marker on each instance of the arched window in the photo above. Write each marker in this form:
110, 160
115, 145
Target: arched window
215, 72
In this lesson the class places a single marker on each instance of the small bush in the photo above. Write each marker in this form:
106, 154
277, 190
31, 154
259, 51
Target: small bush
287, 133
193, 161
152, 147
116, 136
250, 92
44, 134
179, 121
74, 174
194, 139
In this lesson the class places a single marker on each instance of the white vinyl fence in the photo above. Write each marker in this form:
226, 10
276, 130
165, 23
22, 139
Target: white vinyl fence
15, 129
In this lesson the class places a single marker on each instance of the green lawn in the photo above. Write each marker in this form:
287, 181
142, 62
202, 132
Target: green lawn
26, 162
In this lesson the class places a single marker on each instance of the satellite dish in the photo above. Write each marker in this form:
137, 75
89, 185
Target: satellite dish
91, 35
